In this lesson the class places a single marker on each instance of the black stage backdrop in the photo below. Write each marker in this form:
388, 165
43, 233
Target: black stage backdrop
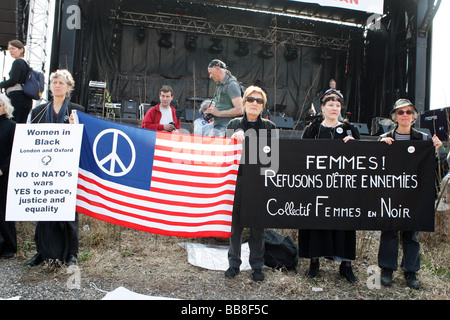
138, 67
329, 184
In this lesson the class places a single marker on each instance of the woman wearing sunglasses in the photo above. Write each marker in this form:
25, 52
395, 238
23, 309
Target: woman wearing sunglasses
404, 115
254, 102
339, 245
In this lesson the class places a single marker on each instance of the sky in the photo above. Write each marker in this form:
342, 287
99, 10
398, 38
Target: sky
440, 64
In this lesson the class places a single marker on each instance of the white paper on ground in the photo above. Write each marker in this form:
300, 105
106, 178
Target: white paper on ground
122, 293
214, 257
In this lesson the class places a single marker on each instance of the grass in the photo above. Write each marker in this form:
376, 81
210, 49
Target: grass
157, 265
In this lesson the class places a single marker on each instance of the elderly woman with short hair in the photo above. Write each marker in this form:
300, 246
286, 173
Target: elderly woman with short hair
404, 115
8, 240
56, 240
254, 101
60, 108
204, 124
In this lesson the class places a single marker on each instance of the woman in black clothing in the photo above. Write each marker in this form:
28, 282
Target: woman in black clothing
8, 240
56, 240
404, 115
334, 244
254, 103
21, 102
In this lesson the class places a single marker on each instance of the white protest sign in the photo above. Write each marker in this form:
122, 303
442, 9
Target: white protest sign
43, 173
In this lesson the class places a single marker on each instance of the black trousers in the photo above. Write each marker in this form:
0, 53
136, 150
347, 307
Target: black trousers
8, 239
22, 105
57, 240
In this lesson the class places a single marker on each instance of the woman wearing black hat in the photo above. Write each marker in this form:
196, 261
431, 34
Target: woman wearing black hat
404, 115
339, 245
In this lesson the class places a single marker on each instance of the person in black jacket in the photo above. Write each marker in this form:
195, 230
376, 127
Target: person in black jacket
56, 240
8, 239
21, 102
339, 245
404, 115
254, 103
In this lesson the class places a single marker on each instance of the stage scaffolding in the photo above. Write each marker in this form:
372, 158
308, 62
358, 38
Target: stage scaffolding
37, 34
197, 25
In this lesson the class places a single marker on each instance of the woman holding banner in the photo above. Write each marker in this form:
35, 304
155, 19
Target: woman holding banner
254, 103
56, 240
8, 239
404, 115
334, 244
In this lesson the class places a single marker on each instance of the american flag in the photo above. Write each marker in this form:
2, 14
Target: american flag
163, 183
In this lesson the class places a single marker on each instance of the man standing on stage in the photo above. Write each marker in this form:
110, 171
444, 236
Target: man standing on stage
228, 99
162, 117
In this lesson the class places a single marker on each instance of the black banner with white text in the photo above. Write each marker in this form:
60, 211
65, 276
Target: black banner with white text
329, 184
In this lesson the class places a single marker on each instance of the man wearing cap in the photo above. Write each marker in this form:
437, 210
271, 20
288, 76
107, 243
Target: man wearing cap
228, 99
404, 115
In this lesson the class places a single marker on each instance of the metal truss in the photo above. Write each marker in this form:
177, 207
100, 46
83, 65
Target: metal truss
198, 25
36, 52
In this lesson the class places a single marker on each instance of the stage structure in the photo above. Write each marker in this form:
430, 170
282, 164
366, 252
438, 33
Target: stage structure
290, 48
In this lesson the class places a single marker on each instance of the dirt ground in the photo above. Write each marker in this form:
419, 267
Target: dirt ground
153, 265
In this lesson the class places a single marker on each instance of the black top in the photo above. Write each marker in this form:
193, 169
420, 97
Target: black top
38, 114
17, 74
7, 129
317, 131
243, 124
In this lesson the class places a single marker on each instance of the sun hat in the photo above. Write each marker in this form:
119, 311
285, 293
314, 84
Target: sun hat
400, 103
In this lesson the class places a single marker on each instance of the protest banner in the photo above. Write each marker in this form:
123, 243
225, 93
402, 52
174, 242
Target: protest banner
44, 172
326, 184
158, 182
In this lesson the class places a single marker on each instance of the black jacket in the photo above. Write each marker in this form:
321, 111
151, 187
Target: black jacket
38, 113
17, 74
312, 131
7, 129
415, 135
243, 124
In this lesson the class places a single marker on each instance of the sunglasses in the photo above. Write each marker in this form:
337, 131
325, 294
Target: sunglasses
401, 112
252, 99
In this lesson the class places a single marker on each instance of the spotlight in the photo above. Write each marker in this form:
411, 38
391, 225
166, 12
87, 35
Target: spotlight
291, 53
164, 41
141, 34
242, 50
265, 52
217, 46
190, 42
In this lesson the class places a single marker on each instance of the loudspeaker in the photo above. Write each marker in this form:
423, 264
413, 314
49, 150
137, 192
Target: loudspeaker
362, 127
283, 122
129, 107
129, 116
190, 115
8, 22
436, 121
381, 125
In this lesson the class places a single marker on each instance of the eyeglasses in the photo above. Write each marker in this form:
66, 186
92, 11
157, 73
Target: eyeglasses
253, 99
401, 112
